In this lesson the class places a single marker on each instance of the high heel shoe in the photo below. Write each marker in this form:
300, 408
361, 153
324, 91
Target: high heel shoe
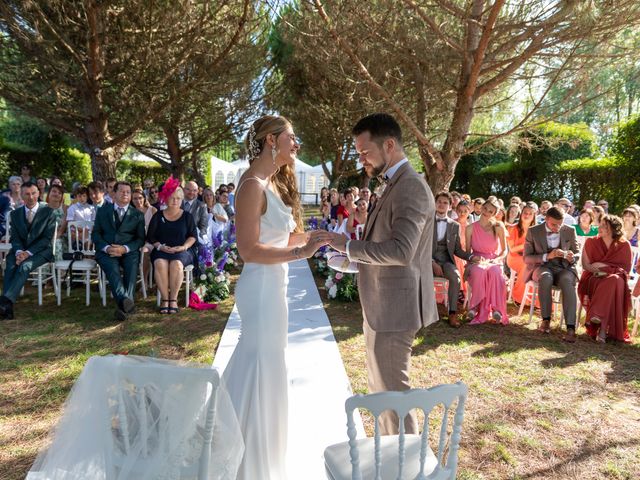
164, 309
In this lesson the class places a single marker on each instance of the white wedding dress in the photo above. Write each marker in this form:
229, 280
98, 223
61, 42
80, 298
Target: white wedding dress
256, 375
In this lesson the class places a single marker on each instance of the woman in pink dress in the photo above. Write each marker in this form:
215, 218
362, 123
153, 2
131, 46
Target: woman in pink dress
486, 239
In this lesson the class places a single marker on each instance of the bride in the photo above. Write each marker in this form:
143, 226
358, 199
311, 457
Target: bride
269, 234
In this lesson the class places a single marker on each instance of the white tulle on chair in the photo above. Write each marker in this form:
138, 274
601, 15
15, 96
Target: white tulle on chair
143, 418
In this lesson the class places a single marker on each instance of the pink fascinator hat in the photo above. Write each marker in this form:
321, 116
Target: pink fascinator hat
170, 185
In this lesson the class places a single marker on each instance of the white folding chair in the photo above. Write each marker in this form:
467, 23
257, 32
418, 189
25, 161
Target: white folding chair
82, 271
188, 280
400, 456
359, 231
5, 242
441, 287
512, 281
141, 280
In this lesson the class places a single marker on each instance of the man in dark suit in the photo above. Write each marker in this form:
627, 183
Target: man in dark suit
32, 229
446, 244
118, 234
196, 208
550, 254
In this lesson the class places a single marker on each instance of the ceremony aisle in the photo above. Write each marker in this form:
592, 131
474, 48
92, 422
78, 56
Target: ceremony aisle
318, 383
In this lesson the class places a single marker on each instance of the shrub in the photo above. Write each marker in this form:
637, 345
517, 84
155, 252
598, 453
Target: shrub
626, 141
470, 165
135, 171
551, 143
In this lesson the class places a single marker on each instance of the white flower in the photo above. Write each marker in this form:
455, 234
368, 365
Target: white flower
333, 291
220, 278
203, 277
328, 282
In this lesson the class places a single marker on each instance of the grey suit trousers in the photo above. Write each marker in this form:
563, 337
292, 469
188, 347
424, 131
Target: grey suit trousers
549, 275
388, 360
451, 273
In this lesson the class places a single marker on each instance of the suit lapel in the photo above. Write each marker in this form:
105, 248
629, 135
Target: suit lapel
386, 194
543, 239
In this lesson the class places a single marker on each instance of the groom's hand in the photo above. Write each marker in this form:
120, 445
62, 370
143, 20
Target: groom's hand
338, 241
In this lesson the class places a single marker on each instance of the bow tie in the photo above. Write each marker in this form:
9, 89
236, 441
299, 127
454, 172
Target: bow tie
441, 219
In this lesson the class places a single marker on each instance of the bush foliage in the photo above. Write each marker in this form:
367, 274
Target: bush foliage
136, 171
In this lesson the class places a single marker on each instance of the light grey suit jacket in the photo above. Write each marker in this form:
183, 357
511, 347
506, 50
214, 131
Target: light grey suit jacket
198, 211
454, 247
395, 278
535, 246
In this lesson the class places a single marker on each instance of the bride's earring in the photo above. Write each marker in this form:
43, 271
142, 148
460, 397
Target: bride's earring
274, 154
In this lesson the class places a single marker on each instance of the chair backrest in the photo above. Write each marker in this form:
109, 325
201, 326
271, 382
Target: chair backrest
359, 231
81, 231
635, 256
7, 229
402, 403
143, 423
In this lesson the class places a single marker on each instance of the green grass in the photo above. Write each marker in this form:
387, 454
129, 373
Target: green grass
537, 409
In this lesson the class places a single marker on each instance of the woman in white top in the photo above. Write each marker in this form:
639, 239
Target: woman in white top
81, 210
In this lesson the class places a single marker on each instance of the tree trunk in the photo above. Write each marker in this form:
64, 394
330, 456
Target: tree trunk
198, 177
104, 162
439, 180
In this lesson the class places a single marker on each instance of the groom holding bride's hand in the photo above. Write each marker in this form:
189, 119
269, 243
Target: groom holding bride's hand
395, 279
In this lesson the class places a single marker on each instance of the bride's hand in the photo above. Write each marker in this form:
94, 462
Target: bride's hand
317, 239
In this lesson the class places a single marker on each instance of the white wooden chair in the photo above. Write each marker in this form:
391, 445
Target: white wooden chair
441, 287
531, 294
5, 242
46, 272
84, 270
359, 231
141, 280
188, 280
400, 456
512, 281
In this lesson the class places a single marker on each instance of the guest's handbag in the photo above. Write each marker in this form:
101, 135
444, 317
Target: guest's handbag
74, 257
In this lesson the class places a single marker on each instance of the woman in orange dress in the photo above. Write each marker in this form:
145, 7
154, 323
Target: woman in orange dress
603, 287
515, 240
463, 209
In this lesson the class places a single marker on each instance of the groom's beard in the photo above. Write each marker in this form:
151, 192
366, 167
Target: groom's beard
377, 171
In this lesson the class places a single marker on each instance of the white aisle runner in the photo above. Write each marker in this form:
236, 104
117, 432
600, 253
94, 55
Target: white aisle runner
318, 383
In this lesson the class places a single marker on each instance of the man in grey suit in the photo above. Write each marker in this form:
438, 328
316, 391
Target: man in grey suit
395, 280
550, 254
196, 208
446, 244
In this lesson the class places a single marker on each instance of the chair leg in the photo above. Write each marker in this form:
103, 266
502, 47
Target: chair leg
635, 324
87, 287
187, 288
533, 302
525, 296
142, 281
40, 286
59, 292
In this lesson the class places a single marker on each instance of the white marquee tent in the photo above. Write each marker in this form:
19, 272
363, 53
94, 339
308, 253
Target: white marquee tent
310, 179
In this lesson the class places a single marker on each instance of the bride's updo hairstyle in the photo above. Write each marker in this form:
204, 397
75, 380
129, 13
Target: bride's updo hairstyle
284, 179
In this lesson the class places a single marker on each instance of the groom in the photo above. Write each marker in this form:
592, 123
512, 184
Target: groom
395, 278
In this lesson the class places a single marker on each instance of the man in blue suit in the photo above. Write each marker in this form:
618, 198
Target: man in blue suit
118, 233
32, 229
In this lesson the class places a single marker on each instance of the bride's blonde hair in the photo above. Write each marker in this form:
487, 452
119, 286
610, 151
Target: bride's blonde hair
284, 179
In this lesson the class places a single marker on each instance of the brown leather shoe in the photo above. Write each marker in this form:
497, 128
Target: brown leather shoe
453, 320
545, 326
570, 336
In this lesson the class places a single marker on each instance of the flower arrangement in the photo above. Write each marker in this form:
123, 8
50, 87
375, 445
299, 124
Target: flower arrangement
212, 285
342, 286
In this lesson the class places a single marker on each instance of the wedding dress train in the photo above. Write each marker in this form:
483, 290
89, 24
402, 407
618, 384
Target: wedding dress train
256, 375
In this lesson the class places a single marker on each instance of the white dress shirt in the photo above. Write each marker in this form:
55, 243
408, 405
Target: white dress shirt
81, 211
553, 241
441, 227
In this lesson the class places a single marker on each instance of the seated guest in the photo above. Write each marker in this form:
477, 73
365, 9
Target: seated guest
474, 216
630, 226
550, 254
140, 202
4, 211
109, 186
463, 210
373, 200
515, 200
224, 201
81, 210
43, 187
32, 229
513, 212
564, 204
588, 205
173, 233
232, 195
446, 246
15, 194
585, 227
346, 205
55, 201
118, 234
196, 208
209, 199
334, 198
219, 214
485, 239
604, 205
365, 194
501, 215
598, 213
603, 287
545, 205
152, 197
455, 200
515, 240
357, 217
25, 175
325, 209
96, 194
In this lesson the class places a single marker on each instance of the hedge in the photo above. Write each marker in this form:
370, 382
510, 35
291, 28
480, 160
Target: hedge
136, 172
615, 179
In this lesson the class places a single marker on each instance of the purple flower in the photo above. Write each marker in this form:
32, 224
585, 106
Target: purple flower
223, 261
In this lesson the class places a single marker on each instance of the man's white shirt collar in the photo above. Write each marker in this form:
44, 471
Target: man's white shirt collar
34, 209
116, 207
392, 171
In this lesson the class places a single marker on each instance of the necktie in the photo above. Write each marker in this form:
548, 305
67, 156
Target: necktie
187, 206
29, 216
120, 213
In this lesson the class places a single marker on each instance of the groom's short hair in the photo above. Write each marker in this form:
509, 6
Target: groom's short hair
380, 126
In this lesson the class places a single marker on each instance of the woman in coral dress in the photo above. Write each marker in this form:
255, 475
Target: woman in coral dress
486, 239
515, 240
603, 287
